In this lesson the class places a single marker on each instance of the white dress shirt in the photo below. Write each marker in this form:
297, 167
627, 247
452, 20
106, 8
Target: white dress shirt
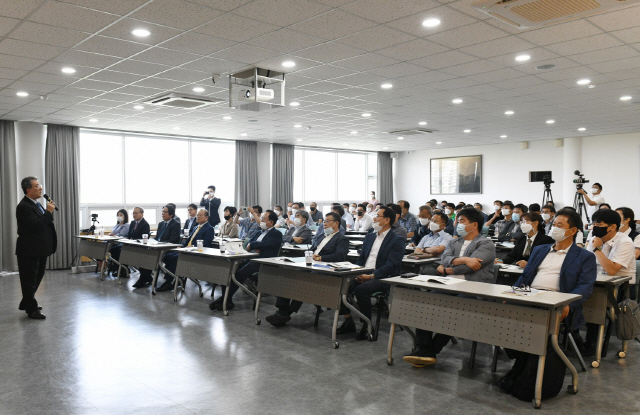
619, 249
592, 209
548, 276
363, 223
636, 242
463, 249
373, 254
348, 217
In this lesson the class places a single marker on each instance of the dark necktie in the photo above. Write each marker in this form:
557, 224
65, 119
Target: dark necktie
527, 250
40, 207
162, 231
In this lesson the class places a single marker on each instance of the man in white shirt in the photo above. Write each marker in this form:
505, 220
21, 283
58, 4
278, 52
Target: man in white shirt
595, 200
348, 216
363, 221
548, 215
436, 242
282, 222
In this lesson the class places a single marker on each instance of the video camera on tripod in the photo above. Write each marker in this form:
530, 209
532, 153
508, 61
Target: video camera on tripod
580, 180
579, 203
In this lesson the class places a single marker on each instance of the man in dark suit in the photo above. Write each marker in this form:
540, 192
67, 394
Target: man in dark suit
37, 240
191, 221
203, 231
382, 250
266, 243
138, 227
534, 226
331, 246
212, 204
168, 229
562, 267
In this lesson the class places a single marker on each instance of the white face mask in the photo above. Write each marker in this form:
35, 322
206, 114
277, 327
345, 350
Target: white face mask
506, 212
289, 208
263, 225
293, 212
423, 221
377, 227
278, 212
120, 219
594, 190
447, 211
558, 234
297, 221
546, 216
526, 228
434, 227
496, 207
353, 209
373, 197
368, 208
328, 231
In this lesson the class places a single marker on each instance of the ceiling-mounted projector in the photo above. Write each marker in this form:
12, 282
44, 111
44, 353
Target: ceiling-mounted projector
256, 94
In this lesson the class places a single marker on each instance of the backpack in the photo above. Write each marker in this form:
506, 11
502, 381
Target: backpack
524, 386
627, 316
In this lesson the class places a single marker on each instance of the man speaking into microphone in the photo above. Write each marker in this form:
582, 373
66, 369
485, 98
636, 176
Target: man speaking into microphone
37, 240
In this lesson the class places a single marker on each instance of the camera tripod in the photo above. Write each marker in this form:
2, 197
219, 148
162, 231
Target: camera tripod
579, 205
546, 195
92, 229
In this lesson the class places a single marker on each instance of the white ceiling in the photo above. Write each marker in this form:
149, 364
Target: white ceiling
343, 50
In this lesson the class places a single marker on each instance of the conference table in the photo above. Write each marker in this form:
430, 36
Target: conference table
408, 264
97, 248
138, 254
317, 284
461, 309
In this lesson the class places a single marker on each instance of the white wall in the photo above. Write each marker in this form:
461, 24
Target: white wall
31, 138
506, 169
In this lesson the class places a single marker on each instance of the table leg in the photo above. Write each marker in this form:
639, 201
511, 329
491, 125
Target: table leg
232, 277
258, 308
537, 400
390, 347
359, 314
596, 363
336, 315
102, 270
573, 388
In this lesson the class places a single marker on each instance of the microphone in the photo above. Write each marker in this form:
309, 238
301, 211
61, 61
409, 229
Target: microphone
48, 199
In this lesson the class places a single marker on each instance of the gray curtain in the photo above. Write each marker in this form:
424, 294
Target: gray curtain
246, 173
8, 197
282, 174
61, 175
385, 178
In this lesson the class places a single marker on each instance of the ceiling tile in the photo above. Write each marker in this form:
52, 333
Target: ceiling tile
414, 49
398, 70
225, 5
382, 11
584, 45
617, 65
185, 75
628, 35
375, 38
29, 49
497, 47
332, 25
325, 72
369, 60
627, 17
47, 78
139, 68
13, 74
117, 77
467, 35
7, 24
236, 28
561, 33
245, 53
213, 65
606, 55
472, 68
18, 9
329, 52
119, 7
93, 60
443, 60
17, 62
281, 12
450, 19
48, 35
57, 14
111, 46
285, 40
123, 28
197, 43
165, 56
179, 14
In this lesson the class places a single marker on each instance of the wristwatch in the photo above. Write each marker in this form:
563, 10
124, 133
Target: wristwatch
596, 249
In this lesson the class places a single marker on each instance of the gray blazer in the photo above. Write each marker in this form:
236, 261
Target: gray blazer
303, 232
481, 248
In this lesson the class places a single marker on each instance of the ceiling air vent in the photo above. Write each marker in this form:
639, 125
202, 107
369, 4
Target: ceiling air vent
535, 13
413, 131
184, 101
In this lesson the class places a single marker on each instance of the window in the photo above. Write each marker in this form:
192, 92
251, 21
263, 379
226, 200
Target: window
352, 181
213, 163
320, 174
100, 153
297, 175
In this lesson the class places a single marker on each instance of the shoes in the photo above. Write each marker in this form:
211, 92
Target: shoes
420, 358
212, 305
278, 319
36, 315
364, 334
166, 286
141, 283
347, 327
21, 307
587, 349
230, 305
506, 382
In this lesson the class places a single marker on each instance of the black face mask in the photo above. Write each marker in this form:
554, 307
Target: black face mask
313, 209
227, 217
599, 231
360, 213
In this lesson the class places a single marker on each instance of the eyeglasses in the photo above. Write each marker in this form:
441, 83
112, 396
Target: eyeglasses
522, 288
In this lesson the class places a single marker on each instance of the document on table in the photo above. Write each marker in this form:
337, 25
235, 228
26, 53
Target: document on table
287, 259
344, 265
507, 244
511, 267
521, 293
441, 280
235, 248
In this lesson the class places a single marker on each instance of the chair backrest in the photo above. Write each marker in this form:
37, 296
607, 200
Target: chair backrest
313, 227
586, 234
485, 231
282, 230
245, 243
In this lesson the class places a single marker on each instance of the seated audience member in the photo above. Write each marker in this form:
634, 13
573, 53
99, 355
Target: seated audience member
347, 216
369, 209
422, 228
504, 228
443, 205
479, 207
615, 255
169, 228
471, 257
407, 219
457, 210
175, 217
137, 228
282, 222
292, 215
382, 250
354, 208
300, 232
122, 227
228, 228
561, 267
534, 208
331, 246
316, 215
437, 240
548, 215
249, 226
450, 211
532, 226
605, 206
340, 210
518, 210
289, 209
341, 229
496, 215
203, 231
363, 221
396, 227
191, 221
266, 244
628, 227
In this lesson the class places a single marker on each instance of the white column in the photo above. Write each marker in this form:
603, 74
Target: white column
572, 156
31, 138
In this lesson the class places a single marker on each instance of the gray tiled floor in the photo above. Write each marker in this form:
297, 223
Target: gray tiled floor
108, 349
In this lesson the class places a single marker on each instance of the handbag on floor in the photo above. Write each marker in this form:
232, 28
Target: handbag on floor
627, 317
554, 371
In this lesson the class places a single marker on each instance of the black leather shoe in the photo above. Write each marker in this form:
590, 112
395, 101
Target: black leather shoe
141, 283
166, 286
230, 305
587, 349
37, 315
212, 305
364, 334
278, 319
506, 382
347, 327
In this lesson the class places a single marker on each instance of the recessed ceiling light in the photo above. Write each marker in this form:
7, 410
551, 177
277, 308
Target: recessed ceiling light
93, 120
581, 129
22, 94
523, 58
176, 128
438, 142
400, 138
550, 121
68, 70
366, 115
243, 134
467, 131
592, 86
354, 132
386, 86
299, 139
508, 112
626, 98
138, 107
457, 101
141, 33
226, 117
503, 136
288, 64
297, 126
422, 123
431, 22
198, 89
583, 81
294, 104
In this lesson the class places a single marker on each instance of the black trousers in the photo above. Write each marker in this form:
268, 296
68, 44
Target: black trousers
363, 292
170, 263
31, 271
288, 306
242, 274
432, 343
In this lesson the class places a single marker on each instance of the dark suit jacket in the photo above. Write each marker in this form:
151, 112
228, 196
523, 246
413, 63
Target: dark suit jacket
389, 260
516, 253
142, 229
212, 206
336, 250
449, 228
194, 223
269, 246
205, 234
36, 234
577, 276
171, 234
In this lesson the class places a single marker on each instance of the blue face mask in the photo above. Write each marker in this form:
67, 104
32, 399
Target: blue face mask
515, 217
461, 230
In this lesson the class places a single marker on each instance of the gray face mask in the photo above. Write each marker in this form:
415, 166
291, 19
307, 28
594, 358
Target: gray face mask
328, 231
